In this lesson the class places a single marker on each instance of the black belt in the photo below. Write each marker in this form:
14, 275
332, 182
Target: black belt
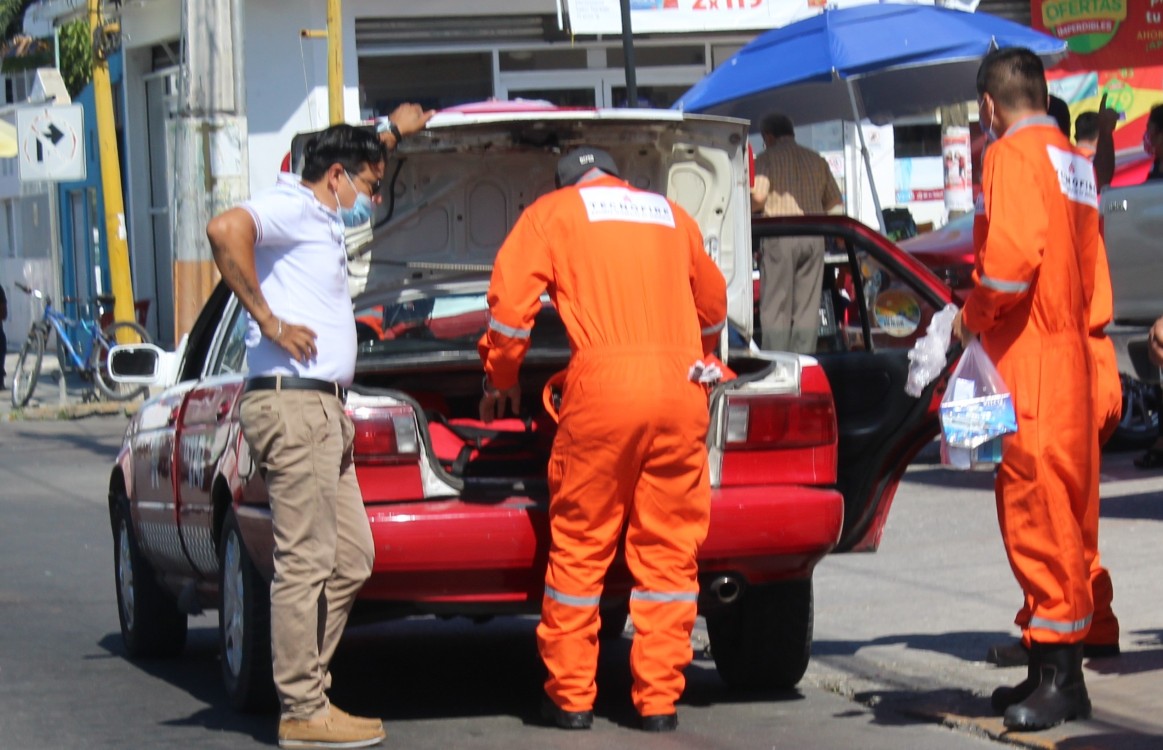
292, 383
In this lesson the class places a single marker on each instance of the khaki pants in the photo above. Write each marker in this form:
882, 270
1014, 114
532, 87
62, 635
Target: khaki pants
791, 274
301, 441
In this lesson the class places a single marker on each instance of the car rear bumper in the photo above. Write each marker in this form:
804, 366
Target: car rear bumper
456, 556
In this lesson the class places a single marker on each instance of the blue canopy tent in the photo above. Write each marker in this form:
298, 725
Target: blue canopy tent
878, 61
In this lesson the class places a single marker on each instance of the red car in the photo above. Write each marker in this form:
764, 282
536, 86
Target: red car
805, 452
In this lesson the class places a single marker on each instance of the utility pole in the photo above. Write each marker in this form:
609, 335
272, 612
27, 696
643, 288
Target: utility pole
115, 232
334, 36
211, 170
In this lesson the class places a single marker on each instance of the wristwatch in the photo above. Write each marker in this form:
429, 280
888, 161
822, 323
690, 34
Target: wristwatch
387, 126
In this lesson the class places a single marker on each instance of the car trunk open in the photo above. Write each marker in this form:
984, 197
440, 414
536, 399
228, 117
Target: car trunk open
450, 197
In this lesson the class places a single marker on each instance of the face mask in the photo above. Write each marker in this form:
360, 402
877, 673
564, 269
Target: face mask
360, 212
991, 134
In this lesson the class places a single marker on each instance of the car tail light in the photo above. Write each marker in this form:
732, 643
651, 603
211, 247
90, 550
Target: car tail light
385, 435
788, 438
785, 421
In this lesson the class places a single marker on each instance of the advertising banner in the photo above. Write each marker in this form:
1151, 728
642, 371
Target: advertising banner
1103, 34
958, 158
656, 16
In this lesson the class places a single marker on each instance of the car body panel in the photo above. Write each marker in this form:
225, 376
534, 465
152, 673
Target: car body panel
1133, 224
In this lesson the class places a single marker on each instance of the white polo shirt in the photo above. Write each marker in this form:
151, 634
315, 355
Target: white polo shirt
302, 270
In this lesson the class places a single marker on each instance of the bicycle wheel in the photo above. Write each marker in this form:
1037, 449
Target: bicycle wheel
27, 368
105, 383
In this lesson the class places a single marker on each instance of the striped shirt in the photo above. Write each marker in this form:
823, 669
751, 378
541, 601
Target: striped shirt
796, 180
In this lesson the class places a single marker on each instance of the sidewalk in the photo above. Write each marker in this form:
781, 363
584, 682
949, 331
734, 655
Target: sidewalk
56, 397
950, 595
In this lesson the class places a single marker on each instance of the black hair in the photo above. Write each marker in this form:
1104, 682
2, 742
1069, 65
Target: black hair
1156, 118
348, 146
1086, 126
1015, 78
777, 125
1060, 111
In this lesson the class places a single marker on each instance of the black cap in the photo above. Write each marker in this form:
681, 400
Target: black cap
576, 163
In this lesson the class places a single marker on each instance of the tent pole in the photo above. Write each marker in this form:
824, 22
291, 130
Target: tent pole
867, 160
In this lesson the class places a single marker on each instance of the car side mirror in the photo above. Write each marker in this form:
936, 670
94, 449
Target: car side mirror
139, 364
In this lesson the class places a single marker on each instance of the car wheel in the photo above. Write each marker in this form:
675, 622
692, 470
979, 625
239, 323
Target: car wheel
152, 626
764, 640
244, 624
1139, 425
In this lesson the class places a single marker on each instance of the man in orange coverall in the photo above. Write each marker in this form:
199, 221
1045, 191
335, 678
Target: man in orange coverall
1034, 281
1103, 638
642, 303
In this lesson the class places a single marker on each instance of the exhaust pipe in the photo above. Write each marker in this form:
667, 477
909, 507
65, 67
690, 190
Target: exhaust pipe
726, 589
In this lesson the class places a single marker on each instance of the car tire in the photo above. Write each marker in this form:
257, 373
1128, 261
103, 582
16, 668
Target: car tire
764, 641
1138, 427
244, 624
152, 625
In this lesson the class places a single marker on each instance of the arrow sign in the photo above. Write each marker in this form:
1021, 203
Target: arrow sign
54, 134
50, 143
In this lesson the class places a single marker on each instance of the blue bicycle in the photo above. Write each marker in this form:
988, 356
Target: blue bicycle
81, 345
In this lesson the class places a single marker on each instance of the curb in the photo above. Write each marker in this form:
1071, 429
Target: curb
69, 411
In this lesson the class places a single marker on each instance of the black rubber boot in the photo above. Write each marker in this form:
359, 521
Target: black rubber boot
565, 719
1060, 694
1006, 696
660, 723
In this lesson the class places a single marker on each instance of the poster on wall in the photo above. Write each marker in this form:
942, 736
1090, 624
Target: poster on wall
955, 150
1130, 91
1103, 34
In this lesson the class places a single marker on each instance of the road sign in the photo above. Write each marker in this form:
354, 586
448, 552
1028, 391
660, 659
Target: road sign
51, 140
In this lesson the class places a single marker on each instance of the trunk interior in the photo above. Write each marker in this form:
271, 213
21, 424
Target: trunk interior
505, 454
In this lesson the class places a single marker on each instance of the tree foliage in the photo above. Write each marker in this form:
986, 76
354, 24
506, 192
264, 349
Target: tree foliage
76, 51
12, 16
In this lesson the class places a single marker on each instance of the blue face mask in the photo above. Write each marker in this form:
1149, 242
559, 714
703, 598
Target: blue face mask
360, 212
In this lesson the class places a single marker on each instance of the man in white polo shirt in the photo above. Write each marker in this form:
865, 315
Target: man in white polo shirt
282, 254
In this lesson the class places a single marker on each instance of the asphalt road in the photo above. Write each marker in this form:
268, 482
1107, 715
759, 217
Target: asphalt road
886, 646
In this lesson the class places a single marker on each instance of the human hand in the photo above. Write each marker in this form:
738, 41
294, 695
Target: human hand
494, 402
960, 330
1108, 119
1155, 343
299, 341
410, 118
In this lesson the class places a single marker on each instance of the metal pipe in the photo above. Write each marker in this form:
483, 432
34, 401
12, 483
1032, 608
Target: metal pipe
628, 53
726, 589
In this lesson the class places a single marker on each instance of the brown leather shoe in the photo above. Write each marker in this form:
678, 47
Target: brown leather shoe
359, 721
327, 731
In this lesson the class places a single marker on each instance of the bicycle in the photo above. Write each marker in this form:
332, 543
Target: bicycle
81, 344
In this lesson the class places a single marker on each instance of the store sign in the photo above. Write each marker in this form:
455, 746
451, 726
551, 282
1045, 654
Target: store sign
660, 16
1103, 34
677, 16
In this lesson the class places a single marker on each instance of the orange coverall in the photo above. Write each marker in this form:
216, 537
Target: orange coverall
641, 302
1034, 281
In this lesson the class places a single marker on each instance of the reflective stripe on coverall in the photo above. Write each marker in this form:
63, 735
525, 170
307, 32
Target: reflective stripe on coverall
1030, 303
641, 302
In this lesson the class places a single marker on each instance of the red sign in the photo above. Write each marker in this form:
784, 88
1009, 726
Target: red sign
1103, 34
935, 194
